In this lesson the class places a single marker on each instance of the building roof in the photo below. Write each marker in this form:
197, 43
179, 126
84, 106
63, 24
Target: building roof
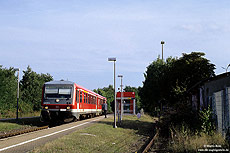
200, 83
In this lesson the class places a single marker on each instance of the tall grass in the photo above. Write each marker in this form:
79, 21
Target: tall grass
184, 140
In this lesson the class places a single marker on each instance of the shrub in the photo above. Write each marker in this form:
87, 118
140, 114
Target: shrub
206, 121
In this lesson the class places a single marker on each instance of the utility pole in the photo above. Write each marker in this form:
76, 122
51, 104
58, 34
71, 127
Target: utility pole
115, 110
162, 43
121, 76
17, 69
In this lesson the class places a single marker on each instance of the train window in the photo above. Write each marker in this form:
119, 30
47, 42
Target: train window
77, 96
65, 91
87, 100
80, 97
84, 97
55, 92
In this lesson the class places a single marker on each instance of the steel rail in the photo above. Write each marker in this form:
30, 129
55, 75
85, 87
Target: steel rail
151, 142
21, 131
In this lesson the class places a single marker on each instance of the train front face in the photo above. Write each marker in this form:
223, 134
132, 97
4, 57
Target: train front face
57, 101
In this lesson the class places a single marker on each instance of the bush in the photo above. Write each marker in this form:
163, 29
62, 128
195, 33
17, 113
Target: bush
206, 121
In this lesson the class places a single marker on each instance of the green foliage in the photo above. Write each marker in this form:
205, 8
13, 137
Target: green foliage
107, 92
30, 91
156, 87
167, 82
206, 121
31, 88
8, 90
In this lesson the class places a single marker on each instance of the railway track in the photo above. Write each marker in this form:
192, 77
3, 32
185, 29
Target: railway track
147, 148
21, 131
31, 129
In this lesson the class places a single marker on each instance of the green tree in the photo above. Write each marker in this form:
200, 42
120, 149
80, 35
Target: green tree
31, 87
8, 90
107, 92
155, 88
167, 82
187, 71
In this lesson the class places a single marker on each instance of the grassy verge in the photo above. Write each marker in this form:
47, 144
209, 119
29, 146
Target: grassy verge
9, 125
5, 127
102, 137
11, 114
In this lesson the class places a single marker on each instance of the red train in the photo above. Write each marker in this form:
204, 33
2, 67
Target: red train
65, 99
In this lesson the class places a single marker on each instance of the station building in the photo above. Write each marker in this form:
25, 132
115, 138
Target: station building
129, 105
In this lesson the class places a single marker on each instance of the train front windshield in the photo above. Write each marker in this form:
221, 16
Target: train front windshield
55, 92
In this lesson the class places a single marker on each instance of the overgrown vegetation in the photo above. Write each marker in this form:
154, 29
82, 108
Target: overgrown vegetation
184, 140
187, 131
207, 125
30, 91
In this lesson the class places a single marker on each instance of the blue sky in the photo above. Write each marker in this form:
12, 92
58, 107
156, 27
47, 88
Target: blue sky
73, 39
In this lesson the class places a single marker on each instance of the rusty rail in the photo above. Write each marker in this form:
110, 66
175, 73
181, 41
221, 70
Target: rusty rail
22, 131
151, 142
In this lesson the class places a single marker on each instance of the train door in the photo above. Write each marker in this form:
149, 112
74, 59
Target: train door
81, 102
96, 103
77, 99
86, 101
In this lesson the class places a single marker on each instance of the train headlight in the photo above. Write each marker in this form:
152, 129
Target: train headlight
46, 107
57, 100
67, 107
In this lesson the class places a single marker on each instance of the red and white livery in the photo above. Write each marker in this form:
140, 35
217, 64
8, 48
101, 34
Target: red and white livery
66, 99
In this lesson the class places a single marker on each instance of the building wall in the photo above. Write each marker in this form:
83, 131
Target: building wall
216, 94
216, 85
213, 86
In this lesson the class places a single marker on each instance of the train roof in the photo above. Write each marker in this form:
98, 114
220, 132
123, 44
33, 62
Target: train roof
90, 91
60, 82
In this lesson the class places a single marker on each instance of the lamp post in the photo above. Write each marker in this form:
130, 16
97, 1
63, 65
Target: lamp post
121, 76
162, 43
17, 69
114, 61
